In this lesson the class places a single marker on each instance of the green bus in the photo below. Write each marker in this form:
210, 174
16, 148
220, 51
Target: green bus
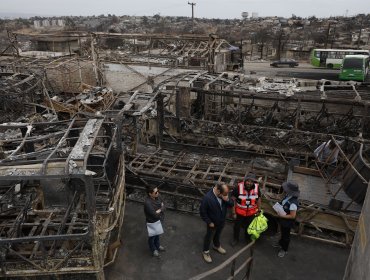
332, 58
354, 68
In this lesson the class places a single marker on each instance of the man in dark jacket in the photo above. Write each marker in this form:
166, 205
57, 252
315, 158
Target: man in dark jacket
213, 212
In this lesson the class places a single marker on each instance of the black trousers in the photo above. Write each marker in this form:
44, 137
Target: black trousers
285, 237
242, 222
214, 233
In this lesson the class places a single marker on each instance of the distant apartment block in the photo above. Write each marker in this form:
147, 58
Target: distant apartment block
47, 23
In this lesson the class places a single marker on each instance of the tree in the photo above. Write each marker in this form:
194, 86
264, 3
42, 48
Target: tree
145, 20
280, 41
115, 19
261, 38
70, 24
312, 18
319, 38
157, 17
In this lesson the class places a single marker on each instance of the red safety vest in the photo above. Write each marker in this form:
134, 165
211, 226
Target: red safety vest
246, 203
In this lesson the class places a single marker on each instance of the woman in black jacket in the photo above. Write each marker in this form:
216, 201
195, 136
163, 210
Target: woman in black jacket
153, 209
290, 205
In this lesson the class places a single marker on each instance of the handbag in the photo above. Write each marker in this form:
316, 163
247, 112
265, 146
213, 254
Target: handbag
154, 228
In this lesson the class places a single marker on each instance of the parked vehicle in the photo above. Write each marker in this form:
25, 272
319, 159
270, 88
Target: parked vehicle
284, 62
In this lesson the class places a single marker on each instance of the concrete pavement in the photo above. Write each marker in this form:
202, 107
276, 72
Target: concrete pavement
183, 236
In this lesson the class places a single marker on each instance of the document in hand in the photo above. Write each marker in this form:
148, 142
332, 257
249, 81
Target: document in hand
279, 209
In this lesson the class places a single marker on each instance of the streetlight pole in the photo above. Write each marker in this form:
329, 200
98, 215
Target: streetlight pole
192, 15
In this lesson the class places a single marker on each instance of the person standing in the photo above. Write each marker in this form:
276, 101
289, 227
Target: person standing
154, 214
327, 153
213, 210
247, 197
290, 206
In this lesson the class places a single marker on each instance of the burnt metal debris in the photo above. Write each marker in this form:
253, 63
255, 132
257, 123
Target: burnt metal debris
16, 89
90, 100
62, 197
216, 128
70, 153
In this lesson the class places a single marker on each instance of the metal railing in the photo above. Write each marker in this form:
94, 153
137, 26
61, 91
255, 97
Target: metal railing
244, 270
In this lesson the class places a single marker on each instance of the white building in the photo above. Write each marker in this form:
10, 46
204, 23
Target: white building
45, 23
61, 22
37, 24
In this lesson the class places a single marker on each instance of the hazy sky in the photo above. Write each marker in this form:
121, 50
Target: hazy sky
203, 8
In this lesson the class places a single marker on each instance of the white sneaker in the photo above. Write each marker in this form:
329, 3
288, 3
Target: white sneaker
207, 257
155, 253
220, 250
282, 253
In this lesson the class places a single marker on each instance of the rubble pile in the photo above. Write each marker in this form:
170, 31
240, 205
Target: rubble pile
90, 100
283, 87
15, 91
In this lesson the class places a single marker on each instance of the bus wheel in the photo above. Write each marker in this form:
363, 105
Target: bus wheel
330, 66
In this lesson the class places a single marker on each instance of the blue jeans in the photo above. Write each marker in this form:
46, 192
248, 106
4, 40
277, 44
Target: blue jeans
153, 242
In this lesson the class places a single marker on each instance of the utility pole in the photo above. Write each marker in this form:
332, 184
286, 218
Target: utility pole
192, 15
359, 35
280, 38
333, 36
327, 35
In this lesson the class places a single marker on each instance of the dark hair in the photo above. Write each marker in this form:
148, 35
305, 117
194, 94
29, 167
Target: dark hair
150, 189
250, 177
219, 187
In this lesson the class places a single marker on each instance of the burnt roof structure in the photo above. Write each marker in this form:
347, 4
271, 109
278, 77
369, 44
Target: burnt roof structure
184, 51
335, 109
